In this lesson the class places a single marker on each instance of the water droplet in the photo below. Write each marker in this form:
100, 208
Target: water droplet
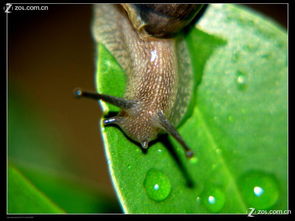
194, 160
129, 166
259, 189
218, 151
160, 150
157, 185
241, 79
213, 199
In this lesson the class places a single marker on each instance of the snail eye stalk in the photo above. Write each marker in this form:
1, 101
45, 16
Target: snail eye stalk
170, 129
117, 101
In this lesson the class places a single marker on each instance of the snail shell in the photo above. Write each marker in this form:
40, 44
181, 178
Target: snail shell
158, 68
161, 20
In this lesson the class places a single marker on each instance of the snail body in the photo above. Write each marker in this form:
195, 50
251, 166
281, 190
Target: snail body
157, 65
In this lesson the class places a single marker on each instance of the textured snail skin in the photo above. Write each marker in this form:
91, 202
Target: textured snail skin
154, 83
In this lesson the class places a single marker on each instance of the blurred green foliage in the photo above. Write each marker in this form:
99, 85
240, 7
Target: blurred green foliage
38, 181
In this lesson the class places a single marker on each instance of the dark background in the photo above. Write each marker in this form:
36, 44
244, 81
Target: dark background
50, 53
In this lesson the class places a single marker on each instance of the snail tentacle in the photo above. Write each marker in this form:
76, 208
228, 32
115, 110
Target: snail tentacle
170, 129
117, 101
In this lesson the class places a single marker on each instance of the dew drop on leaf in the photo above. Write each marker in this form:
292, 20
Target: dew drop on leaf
241, 80
193, 160
198, 199
160, 150
213, 199
260, 190
157, 185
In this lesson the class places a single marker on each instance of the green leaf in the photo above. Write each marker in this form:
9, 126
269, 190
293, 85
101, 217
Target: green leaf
237, 128
48, 192
24, 197
38, 180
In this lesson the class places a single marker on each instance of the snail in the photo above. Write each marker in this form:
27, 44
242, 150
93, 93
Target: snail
146, 41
